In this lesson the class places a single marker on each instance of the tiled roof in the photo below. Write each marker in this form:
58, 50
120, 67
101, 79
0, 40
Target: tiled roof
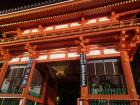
33, 5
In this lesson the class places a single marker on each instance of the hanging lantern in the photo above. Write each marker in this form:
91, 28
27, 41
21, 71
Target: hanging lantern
58, 69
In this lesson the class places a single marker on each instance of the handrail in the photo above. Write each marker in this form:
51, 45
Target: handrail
108, 101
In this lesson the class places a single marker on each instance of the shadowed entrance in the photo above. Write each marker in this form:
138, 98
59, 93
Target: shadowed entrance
63, 85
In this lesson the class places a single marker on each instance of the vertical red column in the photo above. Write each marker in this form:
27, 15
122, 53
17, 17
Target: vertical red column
26, 91
24, 101
44, 88
30, 77
128, 75
83, 76
51, 95
3, 71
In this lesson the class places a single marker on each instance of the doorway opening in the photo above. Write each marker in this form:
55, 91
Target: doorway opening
63, 85
68, 92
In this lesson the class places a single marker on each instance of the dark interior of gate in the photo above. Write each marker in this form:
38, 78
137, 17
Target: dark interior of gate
105, 76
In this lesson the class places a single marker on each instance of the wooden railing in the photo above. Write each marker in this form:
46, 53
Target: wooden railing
107, 102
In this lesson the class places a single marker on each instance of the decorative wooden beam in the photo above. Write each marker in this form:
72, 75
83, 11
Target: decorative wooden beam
114, 16
109, 97
4, 53
133, 44
31, 50
83, 48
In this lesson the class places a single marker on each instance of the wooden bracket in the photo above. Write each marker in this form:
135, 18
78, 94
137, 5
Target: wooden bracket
83, 48
123, 37
114, 16
19, 31
4, 53
31, 50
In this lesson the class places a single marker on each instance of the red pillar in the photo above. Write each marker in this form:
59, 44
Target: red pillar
84, 94
83, 74
51, 95
30, 78
128, 75
44, 88
24, 101
26, 91
3, 71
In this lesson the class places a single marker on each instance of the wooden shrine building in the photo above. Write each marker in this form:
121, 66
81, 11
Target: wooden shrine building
70, 52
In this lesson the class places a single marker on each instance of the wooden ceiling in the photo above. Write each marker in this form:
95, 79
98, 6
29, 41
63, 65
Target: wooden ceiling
71, 72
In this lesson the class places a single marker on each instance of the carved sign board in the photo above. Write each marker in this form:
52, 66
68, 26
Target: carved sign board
83, 71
